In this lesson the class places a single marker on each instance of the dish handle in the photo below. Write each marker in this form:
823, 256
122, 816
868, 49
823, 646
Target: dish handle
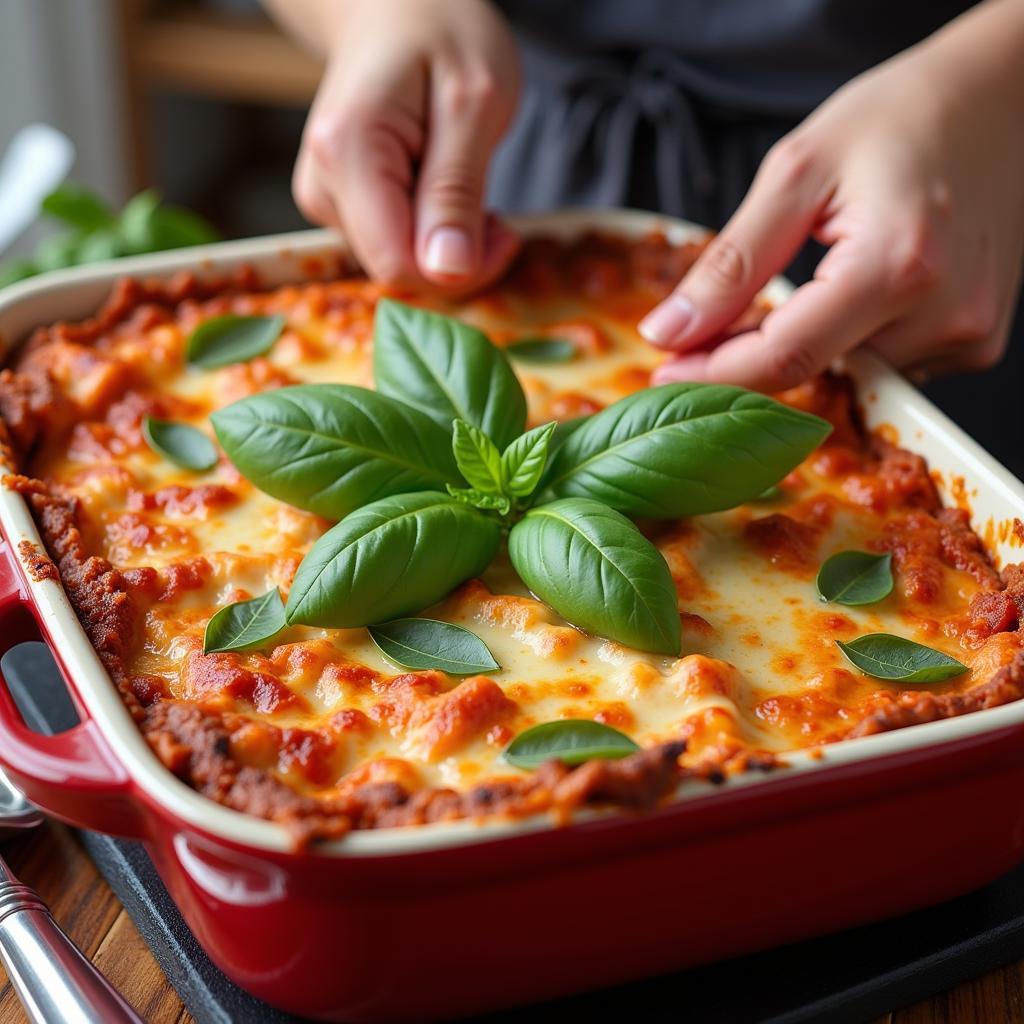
72, 775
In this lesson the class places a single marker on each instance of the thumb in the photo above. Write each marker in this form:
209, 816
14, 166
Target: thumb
450, 221
766, 232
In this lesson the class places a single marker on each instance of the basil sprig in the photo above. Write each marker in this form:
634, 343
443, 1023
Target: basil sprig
449, 415
885, 656
245, 624
477, 457
430, 644
223, 340
569, 740
179, 443
855, 578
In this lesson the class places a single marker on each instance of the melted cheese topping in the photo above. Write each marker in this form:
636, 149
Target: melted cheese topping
324, 711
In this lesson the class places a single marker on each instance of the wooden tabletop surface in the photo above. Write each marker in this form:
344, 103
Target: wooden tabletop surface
53, 862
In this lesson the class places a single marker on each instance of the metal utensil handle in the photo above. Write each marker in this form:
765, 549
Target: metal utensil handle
55, 982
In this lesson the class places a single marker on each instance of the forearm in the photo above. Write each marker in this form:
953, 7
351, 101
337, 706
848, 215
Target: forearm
313, 22
984, 48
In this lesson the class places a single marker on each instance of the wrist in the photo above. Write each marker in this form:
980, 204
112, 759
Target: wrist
979, 58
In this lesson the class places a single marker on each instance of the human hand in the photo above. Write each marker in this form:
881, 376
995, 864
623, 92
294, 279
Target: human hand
913, 175
415, 97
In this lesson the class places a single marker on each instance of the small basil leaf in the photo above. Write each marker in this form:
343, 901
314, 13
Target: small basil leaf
223, 340
855, 577
772, 493
569, 740
423, 644
78, 207
330, 448
892, 657
245, 624
446, 369
542, 350
179, 443
598, 571
477, 457
470, 496
523, 461
681, 450
391, 558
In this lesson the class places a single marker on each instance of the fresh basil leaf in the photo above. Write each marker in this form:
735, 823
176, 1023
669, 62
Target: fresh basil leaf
598, 571
855, 577
59, 251
78, 207
892, 657
477, 457
446, 369
174, 228
423, 644
103, 244
17, 270
523, 461
331, 448
542, 350
179, 443
569, 740
391, 558
245, 624
681, 450
223, 340
564, 429
470, 496
136, 222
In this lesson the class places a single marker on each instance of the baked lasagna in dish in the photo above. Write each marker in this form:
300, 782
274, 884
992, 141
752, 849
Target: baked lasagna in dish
838, 601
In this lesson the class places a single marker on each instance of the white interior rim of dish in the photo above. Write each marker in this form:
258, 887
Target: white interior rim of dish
277, 259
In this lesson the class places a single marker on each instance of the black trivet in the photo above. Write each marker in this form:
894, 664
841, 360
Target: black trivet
851, 977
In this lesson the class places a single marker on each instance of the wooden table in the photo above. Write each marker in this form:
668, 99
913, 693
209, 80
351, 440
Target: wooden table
53, 861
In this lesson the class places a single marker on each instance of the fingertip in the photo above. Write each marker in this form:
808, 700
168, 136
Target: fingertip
667, 324
449, 254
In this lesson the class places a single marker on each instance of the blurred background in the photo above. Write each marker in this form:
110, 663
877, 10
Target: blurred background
204, 100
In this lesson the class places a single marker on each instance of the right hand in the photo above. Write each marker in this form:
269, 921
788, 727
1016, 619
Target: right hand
395, 152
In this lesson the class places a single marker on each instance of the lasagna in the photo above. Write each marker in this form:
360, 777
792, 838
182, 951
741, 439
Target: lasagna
317, 729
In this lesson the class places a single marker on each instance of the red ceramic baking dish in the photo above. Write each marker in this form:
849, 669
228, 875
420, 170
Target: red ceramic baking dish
441, 920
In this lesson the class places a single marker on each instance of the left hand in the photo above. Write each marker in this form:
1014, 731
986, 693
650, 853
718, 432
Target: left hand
913, 175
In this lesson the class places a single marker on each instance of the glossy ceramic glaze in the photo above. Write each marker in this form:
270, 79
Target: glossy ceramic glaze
449, 919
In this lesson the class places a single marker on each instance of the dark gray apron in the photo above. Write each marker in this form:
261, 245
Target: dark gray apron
671, 105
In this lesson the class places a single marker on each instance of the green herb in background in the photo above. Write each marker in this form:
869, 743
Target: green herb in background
93, 231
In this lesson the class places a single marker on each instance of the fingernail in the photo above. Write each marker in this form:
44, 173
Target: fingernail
448, 251
666, 322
